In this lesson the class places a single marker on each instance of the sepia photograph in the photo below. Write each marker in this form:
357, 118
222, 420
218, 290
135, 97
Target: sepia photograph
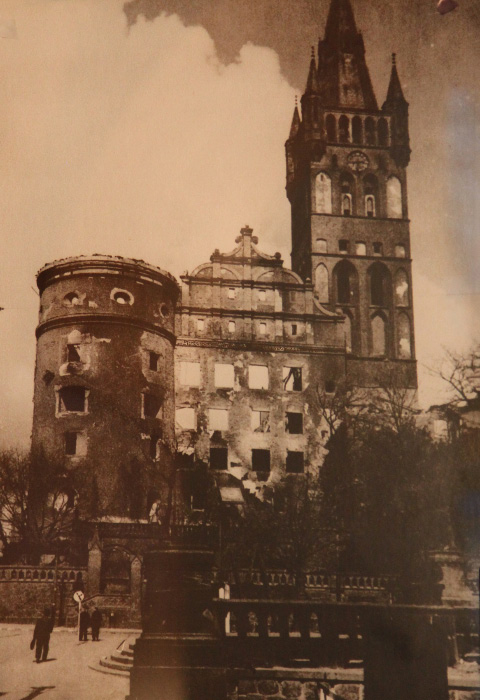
240, 349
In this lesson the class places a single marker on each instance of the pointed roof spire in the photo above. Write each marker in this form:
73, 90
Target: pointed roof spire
395, 94
343, 75
312, 81
295, 121
340, 22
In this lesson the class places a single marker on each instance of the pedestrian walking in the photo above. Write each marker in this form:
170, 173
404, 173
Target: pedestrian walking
84, 625
96, 620
41, 635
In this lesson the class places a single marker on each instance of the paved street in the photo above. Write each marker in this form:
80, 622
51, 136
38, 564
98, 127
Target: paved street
65, 676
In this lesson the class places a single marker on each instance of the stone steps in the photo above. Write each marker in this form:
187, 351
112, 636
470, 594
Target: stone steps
120, 662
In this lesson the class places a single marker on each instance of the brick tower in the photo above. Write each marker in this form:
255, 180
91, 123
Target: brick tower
104, 400
347, 186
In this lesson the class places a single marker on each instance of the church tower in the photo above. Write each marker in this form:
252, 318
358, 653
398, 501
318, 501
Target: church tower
347, 186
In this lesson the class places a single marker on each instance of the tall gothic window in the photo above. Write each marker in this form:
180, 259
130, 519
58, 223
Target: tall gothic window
344, 129
379, 285
321, 283
370, 189
404, 349
382, 132
394, 198
401, 288
346, 196
331, 127
370, 131
345, 277
357, 130
379, 336
323, 194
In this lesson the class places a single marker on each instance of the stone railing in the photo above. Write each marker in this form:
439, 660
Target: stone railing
326, 585
42, 574
270, 633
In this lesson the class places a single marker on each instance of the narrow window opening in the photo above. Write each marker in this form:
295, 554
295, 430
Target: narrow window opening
330, 386
258, 377
343, 246
361, 248
231, 293
73, 354
294, 423
72, 399
219, 458
262, 295
200, 324
261, 460
70, 443
231, 326
295, 463
294, 329
153, 360
378, 249
263, 328
260, 421
292, 378
152, 406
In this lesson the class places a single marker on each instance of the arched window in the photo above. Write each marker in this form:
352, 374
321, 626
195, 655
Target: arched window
370, 189
345, 277
370, 131
404, 348
357, 129
379, 285
394, 198
344, 129
323, 194
321, 283
346, 196
331, 127
382, 132
401, 288
379, 336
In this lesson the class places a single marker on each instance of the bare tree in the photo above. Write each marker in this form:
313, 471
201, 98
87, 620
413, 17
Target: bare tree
461, 372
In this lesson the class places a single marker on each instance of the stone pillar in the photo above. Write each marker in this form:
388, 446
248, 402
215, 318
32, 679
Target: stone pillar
455, 589
136, 589
94, 566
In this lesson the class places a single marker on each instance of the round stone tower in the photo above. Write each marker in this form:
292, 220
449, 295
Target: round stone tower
104, 403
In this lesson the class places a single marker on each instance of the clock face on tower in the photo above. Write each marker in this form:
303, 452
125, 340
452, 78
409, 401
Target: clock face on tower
358, 161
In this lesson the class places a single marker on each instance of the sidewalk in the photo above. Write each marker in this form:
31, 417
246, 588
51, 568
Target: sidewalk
65, 676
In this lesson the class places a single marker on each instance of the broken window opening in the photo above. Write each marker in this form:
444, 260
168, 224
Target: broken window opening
153, 360
343, 246
294, 423
295, 463
219, 458
224, 376
122, 297
71, 299
73, 354
378, 249
361, 248
189, 373
260, 421
261, 460
72, 399
292, 378
262, 328
231, 326
294, 329
218, 419
70, 443
262, 295
155, 445
185, 418
330, 386
152, 406
232, 293
200, 324
258, 377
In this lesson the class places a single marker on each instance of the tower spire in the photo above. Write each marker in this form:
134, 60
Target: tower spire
312, 80
343, 74
395, 96
295, 121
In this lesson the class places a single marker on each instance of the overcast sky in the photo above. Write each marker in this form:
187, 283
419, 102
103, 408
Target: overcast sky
156, 131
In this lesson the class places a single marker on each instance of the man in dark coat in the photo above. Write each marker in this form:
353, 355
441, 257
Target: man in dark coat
96, 620
84, 625
41, 635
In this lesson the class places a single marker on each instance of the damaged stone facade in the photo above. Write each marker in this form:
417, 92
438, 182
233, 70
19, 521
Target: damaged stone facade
104, 391
254, 348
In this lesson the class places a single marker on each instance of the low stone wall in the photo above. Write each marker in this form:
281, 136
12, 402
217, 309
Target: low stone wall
299, 689
25, 591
